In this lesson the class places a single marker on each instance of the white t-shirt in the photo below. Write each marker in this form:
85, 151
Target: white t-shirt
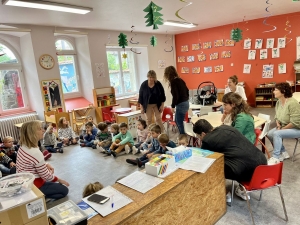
239, 90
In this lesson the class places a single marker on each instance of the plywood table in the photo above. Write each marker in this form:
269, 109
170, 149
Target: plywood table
185, 197
121, 110
215, 120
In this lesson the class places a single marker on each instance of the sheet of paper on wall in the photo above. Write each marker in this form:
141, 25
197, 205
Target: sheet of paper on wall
258, 43
118, 199
275, 53
298, 48
247, 44
247, 68
263, 54
197, 163
281, 68
270, 43
140, 181
281, 43
268, 71
251, 54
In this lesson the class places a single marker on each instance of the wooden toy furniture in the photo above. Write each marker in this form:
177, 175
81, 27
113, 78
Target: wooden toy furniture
54, 116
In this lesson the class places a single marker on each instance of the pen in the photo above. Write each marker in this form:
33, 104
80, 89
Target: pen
112, 201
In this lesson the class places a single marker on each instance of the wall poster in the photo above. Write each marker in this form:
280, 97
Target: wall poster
53, 95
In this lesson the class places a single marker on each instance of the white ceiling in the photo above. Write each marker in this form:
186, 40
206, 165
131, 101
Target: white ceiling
121, 14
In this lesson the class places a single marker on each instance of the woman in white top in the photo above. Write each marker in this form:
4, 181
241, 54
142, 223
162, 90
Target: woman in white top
232, 86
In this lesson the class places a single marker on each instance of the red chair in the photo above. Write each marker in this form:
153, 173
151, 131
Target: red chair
167, 117
265, 177
257, 139
174, 125
107, 118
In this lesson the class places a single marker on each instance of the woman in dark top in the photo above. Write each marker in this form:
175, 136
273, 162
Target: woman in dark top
180, 94
151, 98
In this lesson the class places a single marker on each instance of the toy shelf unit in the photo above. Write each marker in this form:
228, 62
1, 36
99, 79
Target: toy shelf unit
103, 98
264, 97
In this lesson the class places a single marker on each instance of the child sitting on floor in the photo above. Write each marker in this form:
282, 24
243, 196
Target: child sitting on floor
9, 148
183, 140
91, 188
121, 141
155, 132
90, 135
66, 133
114, 129
89, 118
141, 133
103, 137
7, 166
164, 142
147, 143
49, 140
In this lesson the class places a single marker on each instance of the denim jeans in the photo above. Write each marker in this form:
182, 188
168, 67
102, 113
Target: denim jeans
181, 110
89, 143
54, 190
222, 109
276, 136
5, 170
51, 148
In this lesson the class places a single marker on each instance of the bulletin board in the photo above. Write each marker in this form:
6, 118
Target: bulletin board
52, 95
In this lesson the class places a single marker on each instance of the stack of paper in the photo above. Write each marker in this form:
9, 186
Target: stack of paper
140, 181
197, 163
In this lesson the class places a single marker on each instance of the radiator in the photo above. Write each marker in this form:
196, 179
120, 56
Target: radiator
8, 128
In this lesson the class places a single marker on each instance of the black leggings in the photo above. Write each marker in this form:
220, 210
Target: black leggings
243, 176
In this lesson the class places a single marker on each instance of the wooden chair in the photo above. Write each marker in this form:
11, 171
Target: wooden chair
77, 121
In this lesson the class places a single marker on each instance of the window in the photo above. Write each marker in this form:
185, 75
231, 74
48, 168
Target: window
122, 71
66, 55
11, 91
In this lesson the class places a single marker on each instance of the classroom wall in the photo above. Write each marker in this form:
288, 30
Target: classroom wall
239, 56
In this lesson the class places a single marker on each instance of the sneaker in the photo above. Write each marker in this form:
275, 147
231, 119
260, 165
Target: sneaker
82, 145
61, 150
134, 150
108, 152
273, 161
241, 193
100, 148
81, 141
228, 197
131, 161
127, 149
283, 156
144, 151
47, 156
114, 153
94, 146
139, 163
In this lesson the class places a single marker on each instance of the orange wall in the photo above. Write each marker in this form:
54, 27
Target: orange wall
239, 56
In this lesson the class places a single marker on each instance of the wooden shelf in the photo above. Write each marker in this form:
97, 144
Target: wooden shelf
268, 95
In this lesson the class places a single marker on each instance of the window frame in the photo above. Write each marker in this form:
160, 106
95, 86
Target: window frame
15, 66
74, 54
120, 52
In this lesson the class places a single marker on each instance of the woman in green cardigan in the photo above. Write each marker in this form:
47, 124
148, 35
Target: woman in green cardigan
238, 111
287, 120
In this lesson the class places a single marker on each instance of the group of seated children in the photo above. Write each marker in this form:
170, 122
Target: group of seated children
8, 156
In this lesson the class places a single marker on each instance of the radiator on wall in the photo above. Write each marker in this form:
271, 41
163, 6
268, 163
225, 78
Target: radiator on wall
7, 125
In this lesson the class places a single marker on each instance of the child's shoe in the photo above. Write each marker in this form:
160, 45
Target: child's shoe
47, 155
108, 152
134, 150
82, 145
144, 151
100, 149
131, 161
61, 150
139, 163
114, 153
94, 146
127, 149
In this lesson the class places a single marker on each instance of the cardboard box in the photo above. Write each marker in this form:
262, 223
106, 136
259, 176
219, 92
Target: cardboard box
32, 212
160, 165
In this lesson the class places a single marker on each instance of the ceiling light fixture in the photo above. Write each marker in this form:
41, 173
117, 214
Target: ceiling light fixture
179, 24
55, 6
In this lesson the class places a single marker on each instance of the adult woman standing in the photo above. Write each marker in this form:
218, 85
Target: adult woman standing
180, 94
238, 112
151, 98
30, 159
232, 86
287, 117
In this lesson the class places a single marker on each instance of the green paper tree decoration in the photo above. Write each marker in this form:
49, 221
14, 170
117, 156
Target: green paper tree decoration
123, 40
153, 16
153, 41
236, 34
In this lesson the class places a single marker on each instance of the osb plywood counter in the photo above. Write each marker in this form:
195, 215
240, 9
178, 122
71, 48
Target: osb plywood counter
185, 197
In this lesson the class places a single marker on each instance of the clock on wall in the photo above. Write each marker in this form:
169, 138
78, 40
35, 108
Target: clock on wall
47, 61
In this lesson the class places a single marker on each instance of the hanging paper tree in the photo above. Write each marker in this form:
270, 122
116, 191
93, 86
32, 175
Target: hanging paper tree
236, 34
153, 41
153, 16
122, 43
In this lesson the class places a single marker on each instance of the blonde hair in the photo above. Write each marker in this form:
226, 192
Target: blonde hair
183, 137
61, 123
91, 189
28, 134
152, 73
7, 139
163, 138
115, 126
